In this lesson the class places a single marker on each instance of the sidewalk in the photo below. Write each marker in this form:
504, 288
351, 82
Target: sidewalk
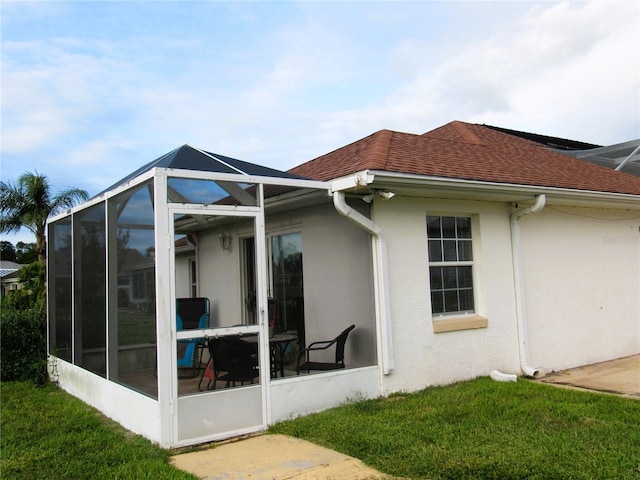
273, 457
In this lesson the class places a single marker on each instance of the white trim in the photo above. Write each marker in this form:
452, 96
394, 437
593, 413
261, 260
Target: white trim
165, 309
490, 191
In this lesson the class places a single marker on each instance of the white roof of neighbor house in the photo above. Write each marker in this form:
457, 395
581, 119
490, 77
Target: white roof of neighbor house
7, 268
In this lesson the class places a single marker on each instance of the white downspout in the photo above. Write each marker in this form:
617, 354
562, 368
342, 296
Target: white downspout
518, 282
381, 277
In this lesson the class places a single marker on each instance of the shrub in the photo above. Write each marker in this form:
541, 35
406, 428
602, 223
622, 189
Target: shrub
23, 348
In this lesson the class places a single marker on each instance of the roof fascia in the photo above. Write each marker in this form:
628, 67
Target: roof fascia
490, 191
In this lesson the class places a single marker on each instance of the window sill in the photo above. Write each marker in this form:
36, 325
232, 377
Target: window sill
459, 323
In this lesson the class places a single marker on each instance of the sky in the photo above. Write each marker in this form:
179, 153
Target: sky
92, 90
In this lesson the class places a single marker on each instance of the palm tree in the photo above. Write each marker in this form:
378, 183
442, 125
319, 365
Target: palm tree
29, 203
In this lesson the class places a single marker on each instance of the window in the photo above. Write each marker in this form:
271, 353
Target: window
450, 264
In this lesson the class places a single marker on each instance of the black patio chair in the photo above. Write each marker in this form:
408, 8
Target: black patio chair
234, 360
339, 343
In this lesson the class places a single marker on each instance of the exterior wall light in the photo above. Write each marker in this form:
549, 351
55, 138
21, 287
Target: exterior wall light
225, 241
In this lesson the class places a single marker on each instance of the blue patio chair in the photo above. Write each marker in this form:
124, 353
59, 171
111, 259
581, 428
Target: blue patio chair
190, 350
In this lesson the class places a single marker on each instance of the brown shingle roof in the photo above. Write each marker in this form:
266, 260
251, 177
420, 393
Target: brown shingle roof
470, 152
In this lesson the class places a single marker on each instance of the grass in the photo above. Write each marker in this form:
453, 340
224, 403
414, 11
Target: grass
480, 429
46, 433
136, 327
485, 430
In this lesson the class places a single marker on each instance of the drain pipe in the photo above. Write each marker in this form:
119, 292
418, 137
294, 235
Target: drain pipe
380, 269
518, 282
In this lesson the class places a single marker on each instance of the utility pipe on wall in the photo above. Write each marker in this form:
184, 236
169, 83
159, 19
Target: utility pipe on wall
521, 313
380, 272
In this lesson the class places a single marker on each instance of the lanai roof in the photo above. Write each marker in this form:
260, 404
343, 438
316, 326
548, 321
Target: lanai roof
187, 157
624, 156
471, 152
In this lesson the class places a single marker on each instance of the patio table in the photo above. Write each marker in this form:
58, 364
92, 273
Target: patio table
279, 344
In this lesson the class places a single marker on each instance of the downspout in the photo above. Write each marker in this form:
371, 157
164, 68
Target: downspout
518, 283
380, 273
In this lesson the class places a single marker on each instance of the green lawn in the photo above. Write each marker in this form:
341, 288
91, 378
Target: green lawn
480, 429
48, 434
486, 430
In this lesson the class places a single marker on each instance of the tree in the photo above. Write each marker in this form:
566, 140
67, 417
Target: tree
7, 251
26, 253
29, 203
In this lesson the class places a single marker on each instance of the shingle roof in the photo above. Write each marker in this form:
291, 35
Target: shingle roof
471, 152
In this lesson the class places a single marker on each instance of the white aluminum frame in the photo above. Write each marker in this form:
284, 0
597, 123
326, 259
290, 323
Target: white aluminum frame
174, 421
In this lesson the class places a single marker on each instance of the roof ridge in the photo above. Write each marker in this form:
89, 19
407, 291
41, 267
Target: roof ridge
466, 132
379, 147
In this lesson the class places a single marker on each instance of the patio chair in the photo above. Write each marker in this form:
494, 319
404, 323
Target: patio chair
339, 343
233, 360
191, 313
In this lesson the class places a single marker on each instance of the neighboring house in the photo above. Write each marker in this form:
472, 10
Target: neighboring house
455, 253
9, 277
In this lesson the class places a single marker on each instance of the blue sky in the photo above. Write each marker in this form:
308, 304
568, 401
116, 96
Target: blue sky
92, 90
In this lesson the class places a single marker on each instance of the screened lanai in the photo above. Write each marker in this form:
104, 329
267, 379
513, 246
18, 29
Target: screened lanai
152, 279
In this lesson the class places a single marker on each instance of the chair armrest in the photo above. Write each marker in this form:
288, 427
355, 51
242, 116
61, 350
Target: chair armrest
326, 343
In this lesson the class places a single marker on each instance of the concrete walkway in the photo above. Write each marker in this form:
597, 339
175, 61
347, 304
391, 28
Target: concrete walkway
620, 377
273, 457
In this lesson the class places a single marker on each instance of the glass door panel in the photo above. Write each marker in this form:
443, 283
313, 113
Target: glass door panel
287, 283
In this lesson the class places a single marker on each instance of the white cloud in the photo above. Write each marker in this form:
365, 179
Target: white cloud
566, 69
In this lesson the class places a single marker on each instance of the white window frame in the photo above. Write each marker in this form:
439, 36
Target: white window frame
454, 263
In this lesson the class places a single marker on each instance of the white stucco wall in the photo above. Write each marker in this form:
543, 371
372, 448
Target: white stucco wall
219, 278
338, 277
582, 277
422, 357
338, 283
183, 285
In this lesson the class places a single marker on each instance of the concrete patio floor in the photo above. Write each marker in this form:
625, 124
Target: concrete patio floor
620, 377
278, 457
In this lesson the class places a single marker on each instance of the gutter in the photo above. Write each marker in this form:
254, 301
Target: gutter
492, 191
380, 269
518, 283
